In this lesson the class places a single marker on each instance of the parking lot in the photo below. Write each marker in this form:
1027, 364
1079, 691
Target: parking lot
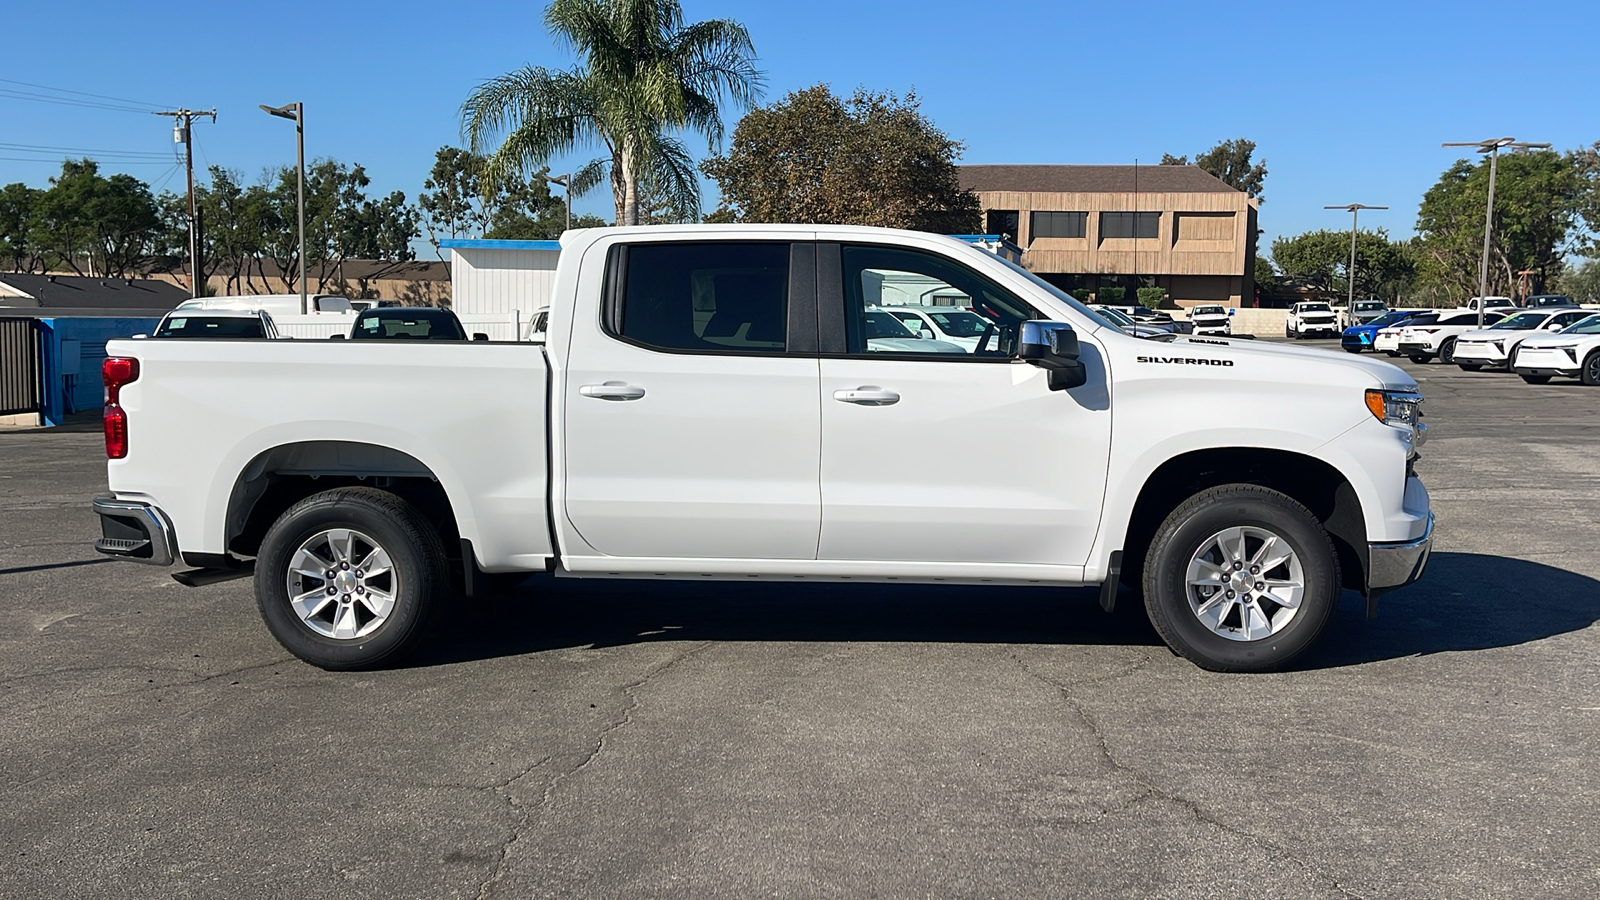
638, 739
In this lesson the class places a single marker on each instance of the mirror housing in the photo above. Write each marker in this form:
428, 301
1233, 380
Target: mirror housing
1052, 346
479, 336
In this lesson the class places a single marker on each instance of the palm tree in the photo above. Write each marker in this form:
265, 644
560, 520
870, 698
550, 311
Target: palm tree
643, 75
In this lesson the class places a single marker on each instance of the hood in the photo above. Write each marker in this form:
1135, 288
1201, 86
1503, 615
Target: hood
1390, 376
1556, 339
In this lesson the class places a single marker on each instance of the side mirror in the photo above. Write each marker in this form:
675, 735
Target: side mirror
335, 337
1052, 346
479, 336
1554, 326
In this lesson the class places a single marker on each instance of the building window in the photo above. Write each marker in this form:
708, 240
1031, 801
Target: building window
1003, 222
1059, 225
1129, 224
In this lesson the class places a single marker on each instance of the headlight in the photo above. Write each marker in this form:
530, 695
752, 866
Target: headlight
1402, 409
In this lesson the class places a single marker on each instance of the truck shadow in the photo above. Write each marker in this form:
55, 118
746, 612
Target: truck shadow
1466, 602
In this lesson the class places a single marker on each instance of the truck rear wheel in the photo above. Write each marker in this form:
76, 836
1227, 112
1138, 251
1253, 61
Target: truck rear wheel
346, 579
1240, 578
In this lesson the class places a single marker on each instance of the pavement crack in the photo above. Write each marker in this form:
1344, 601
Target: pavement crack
1151, 790
525, 813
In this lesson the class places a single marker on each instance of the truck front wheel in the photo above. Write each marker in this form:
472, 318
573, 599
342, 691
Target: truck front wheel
346, 578
1240, 578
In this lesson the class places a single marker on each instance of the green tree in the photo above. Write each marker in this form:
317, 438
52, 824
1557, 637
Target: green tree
342, 223
644, 76
457, 201
1538, 198
874, 159
1383, 267
95, 225
1582, 282
19, 208
1231, 162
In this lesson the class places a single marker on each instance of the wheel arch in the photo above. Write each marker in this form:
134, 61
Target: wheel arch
1314, 483
281, 476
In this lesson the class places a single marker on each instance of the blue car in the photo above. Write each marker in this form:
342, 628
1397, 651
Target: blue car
1359, 338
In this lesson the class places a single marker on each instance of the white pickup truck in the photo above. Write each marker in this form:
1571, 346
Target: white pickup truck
707, 406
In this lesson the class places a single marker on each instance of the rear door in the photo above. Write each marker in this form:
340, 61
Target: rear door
957, 455
692, 419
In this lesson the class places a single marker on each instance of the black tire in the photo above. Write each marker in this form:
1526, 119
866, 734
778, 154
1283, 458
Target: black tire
1536, 379
1189, 528
1590, 373
1447, 351
413, 547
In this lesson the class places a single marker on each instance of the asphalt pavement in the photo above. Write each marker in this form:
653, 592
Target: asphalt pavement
639, 739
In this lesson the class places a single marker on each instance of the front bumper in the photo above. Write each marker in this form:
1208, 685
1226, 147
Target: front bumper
1417, 349
1480, 352
1395, 565
133, 529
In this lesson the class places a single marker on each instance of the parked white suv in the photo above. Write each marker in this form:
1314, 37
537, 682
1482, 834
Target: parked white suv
1387, 340
1211, 320
1311, 318
1363, 312
1493, 347
1422, 343
950, 324
1574, 352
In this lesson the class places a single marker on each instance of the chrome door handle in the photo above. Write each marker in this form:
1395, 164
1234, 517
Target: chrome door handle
612, 390
868, 395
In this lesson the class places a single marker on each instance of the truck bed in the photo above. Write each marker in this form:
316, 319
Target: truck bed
470, 415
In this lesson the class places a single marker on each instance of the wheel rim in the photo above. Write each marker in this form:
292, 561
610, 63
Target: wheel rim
1448, 351
342, 584
1593, 366
1245, 583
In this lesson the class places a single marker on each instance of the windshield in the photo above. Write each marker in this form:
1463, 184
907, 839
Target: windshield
1368, 305
1115, 316
1388, 319
213, 327
1591, 325
960, 323
1209, 311
1315, 307
1519, 322
884, 325
1055, 292
421, 325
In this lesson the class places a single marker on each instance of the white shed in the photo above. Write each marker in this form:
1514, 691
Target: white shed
489, 277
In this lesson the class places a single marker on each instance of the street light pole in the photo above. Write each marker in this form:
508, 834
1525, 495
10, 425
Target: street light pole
1355, 215
566, 182
297, 112
1492, 147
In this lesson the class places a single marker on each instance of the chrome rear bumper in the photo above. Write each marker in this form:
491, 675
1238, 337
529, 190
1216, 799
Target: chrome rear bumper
1395, 565
133, 529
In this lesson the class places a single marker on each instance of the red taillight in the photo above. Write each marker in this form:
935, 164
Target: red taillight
116, 423
115, 372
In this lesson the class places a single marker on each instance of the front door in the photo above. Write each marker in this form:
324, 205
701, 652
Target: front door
690, 431
937, 453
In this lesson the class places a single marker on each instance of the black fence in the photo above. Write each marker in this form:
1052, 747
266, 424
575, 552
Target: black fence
21, 372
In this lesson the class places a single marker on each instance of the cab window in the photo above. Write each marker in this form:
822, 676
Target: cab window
710, 297
875, 277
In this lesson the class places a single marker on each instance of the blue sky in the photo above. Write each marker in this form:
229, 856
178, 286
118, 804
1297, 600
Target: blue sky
1347, 102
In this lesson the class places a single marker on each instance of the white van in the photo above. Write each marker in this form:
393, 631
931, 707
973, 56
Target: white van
277, 304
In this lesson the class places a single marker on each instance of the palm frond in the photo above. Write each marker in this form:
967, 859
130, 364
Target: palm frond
590, 176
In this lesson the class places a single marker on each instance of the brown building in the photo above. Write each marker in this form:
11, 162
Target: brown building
1174, 227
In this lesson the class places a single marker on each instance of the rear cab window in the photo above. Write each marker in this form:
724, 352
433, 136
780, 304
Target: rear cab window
200, 326
707, 297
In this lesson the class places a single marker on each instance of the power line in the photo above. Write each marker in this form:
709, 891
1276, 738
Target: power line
68, 101
58, 161
46, 87
98, 151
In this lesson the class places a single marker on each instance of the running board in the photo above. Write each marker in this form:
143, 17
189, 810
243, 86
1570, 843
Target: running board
203, 577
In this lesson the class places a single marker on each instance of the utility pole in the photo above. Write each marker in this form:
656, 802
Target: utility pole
1492, 147
1355, 213
182, 120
